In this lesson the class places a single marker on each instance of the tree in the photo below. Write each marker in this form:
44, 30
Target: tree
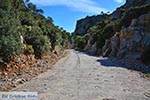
100, 41
5, 5
50, 19
39, 11
32, 7
79, 41
102, 13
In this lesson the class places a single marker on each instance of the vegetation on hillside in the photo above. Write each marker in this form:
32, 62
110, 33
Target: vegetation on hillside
99, 33
24, 30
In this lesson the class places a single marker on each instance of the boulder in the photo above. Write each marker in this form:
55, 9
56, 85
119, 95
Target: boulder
89, 45
93, 48
58, 50
122, 53
137, 37
115, 44
106, 48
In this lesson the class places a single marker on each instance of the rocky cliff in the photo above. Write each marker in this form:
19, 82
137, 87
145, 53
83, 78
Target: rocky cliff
131, 41
84, 24
126, 32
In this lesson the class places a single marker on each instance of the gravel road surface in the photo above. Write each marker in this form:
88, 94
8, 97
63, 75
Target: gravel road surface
83, 77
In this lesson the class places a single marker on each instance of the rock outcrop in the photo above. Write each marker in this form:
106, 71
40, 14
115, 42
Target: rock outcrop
84, 24
119, 11
106, 48
133, 40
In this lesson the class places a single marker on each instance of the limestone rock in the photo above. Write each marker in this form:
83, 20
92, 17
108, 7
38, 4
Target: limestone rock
106, 48
93, 48
58, 50
131, 42
84, 24
114, 44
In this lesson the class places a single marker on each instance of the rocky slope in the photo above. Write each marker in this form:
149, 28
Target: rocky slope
84, 24
132, 41
126, 32
25, 30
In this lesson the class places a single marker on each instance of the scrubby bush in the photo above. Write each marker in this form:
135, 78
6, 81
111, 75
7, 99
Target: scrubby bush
40, 44
29, 49
10, 42
80, 42
146, 56
10, 46
100, 41
108, 31
133, 13
19, 18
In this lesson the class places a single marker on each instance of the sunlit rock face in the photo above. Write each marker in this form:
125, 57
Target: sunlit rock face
130, 22
133, 40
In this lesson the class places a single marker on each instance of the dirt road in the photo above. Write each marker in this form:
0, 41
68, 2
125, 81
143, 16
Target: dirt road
83, 77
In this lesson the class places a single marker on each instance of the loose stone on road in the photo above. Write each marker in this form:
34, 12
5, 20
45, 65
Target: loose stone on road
83, 77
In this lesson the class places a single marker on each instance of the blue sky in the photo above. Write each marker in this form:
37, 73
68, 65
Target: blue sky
65, 13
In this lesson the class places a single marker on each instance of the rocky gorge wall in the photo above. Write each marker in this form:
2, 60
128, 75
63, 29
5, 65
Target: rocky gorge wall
126, 32
132, 41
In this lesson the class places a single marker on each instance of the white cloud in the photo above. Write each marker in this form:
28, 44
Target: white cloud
118, 1
77, 5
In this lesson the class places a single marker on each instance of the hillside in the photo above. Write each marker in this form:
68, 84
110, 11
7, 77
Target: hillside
84, 24
24, 30
124, 33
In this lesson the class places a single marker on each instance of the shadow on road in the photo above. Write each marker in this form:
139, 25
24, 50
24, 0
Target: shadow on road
88, 53
107, 63
136, 67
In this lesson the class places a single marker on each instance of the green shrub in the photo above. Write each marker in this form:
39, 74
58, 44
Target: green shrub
108, 31
10, 42
40, 44
146, 56
100, 41
29, 49
147, 75
133, 13
23, 18
10, 46
80, 42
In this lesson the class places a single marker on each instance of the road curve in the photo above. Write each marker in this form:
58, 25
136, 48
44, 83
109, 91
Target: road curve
83, 77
